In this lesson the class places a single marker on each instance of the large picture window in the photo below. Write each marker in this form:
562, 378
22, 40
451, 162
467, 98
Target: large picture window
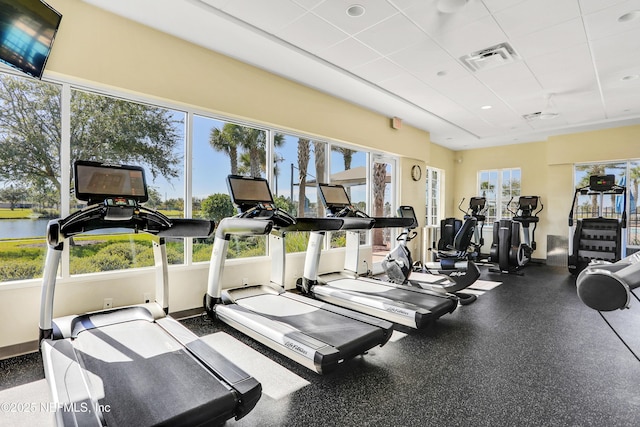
45, 127
219, 149
114, 130
30, 179
435, 184
500, 187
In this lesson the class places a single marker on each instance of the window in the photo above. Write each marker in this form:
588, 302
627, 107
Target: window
383, 205
349, 169
299, 163
44, 127
627, 173
30, 178
435, 182
114, 130
219, 149
500, 187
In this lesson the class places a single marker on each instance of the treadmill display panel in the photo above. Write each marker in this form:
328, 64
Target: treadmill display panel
249, 191
334, 195
408, 212
95, 181
602, 182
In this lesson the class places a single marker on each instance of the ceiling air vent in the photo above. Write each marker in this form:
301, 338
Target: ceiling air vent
490, 57
532, 116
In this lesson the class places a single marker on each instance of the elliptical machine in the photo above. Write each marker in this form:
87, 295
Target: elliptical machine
508, 249
450, 229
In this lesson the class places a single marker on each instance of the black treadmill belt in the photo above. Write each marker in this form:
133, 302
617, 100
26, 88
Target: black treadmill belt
349, 336
150, 379
438, 306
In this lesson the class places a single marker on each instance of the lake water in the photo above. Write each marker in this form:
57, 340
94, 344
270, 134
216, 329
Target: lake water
12, 228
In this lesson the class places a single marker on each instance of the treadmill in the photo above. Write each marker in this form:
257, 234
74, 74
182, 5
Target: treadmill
402, 304
133, 365
314, 334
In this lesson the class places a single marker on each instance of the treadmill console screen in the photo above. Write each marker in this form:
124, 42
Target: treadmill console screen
478, 203
334, 195
408, 212
602, 182
247, 191
95, 181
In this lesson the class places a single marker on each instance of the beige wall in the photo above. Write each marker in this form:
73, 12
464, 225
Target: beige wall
108, 51
547, 171
100, 47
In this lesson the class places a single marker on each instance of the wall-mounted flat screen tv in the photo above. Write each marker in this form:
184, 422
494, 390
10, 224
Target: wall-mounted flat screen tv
27, 31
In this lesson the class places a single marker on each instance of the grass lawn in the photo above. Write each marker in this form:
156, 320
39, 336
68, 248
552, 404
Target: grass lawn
6, 213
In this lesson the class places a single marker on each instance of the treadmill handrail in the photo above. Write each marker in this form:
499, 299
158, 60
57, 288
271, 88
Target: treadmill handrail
315, 224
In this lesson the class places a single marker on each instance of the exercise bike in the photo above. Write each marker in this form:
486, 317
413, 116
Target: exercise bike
451, 277
508, 248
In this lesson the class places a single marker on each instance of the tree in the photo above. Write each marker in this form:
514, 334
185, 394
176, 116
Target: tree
13, 195
217, 206
303, 164
155, 198
226, 141
379, 184
102, 129
319, 150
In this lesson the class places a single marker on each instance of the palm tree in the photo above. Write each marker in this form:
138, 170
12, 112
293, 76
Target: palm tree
379, 184
254, 141
347, 157
226, 141
319, 150
303, 163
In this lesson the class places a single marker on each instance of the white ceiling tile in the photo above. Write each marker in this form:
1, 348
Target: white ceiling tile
216, 3
497, 5
510, 82
308, 4
379, 70
311, 33
534, 15
421, 56
605, 23
615, 56
566, 70
386, 38
348, 54
425, 14
335, 11
269, 16
479, 34
561, 36
590, 6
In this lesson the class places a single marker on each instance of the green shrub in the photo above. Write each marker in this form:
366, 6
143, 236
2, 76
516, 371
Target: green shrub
20, 269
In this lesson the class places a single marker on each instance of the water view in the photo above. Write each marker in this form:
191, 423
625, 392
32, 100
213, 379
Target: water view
14, 228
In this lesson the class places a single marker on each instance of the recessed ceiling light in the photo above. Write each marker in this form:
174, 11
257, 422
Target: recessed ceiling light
356, 10
486, 107
548, 116
630, 77
630, 16
441, 73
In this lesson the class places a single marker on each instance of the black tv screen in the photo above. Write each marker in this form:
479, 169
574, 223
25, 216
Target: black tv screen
27, 31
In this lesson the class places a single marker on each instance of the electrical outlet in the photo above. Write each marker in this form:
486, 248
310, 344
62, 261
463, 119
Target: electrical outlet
146, 297
108, 303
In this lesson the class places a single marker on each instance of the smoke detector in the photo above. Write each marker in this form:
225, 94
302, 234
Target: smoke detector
490, 57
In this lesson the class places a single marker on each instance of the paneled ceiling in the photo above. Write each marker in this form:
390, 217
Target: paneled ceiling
474, 73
